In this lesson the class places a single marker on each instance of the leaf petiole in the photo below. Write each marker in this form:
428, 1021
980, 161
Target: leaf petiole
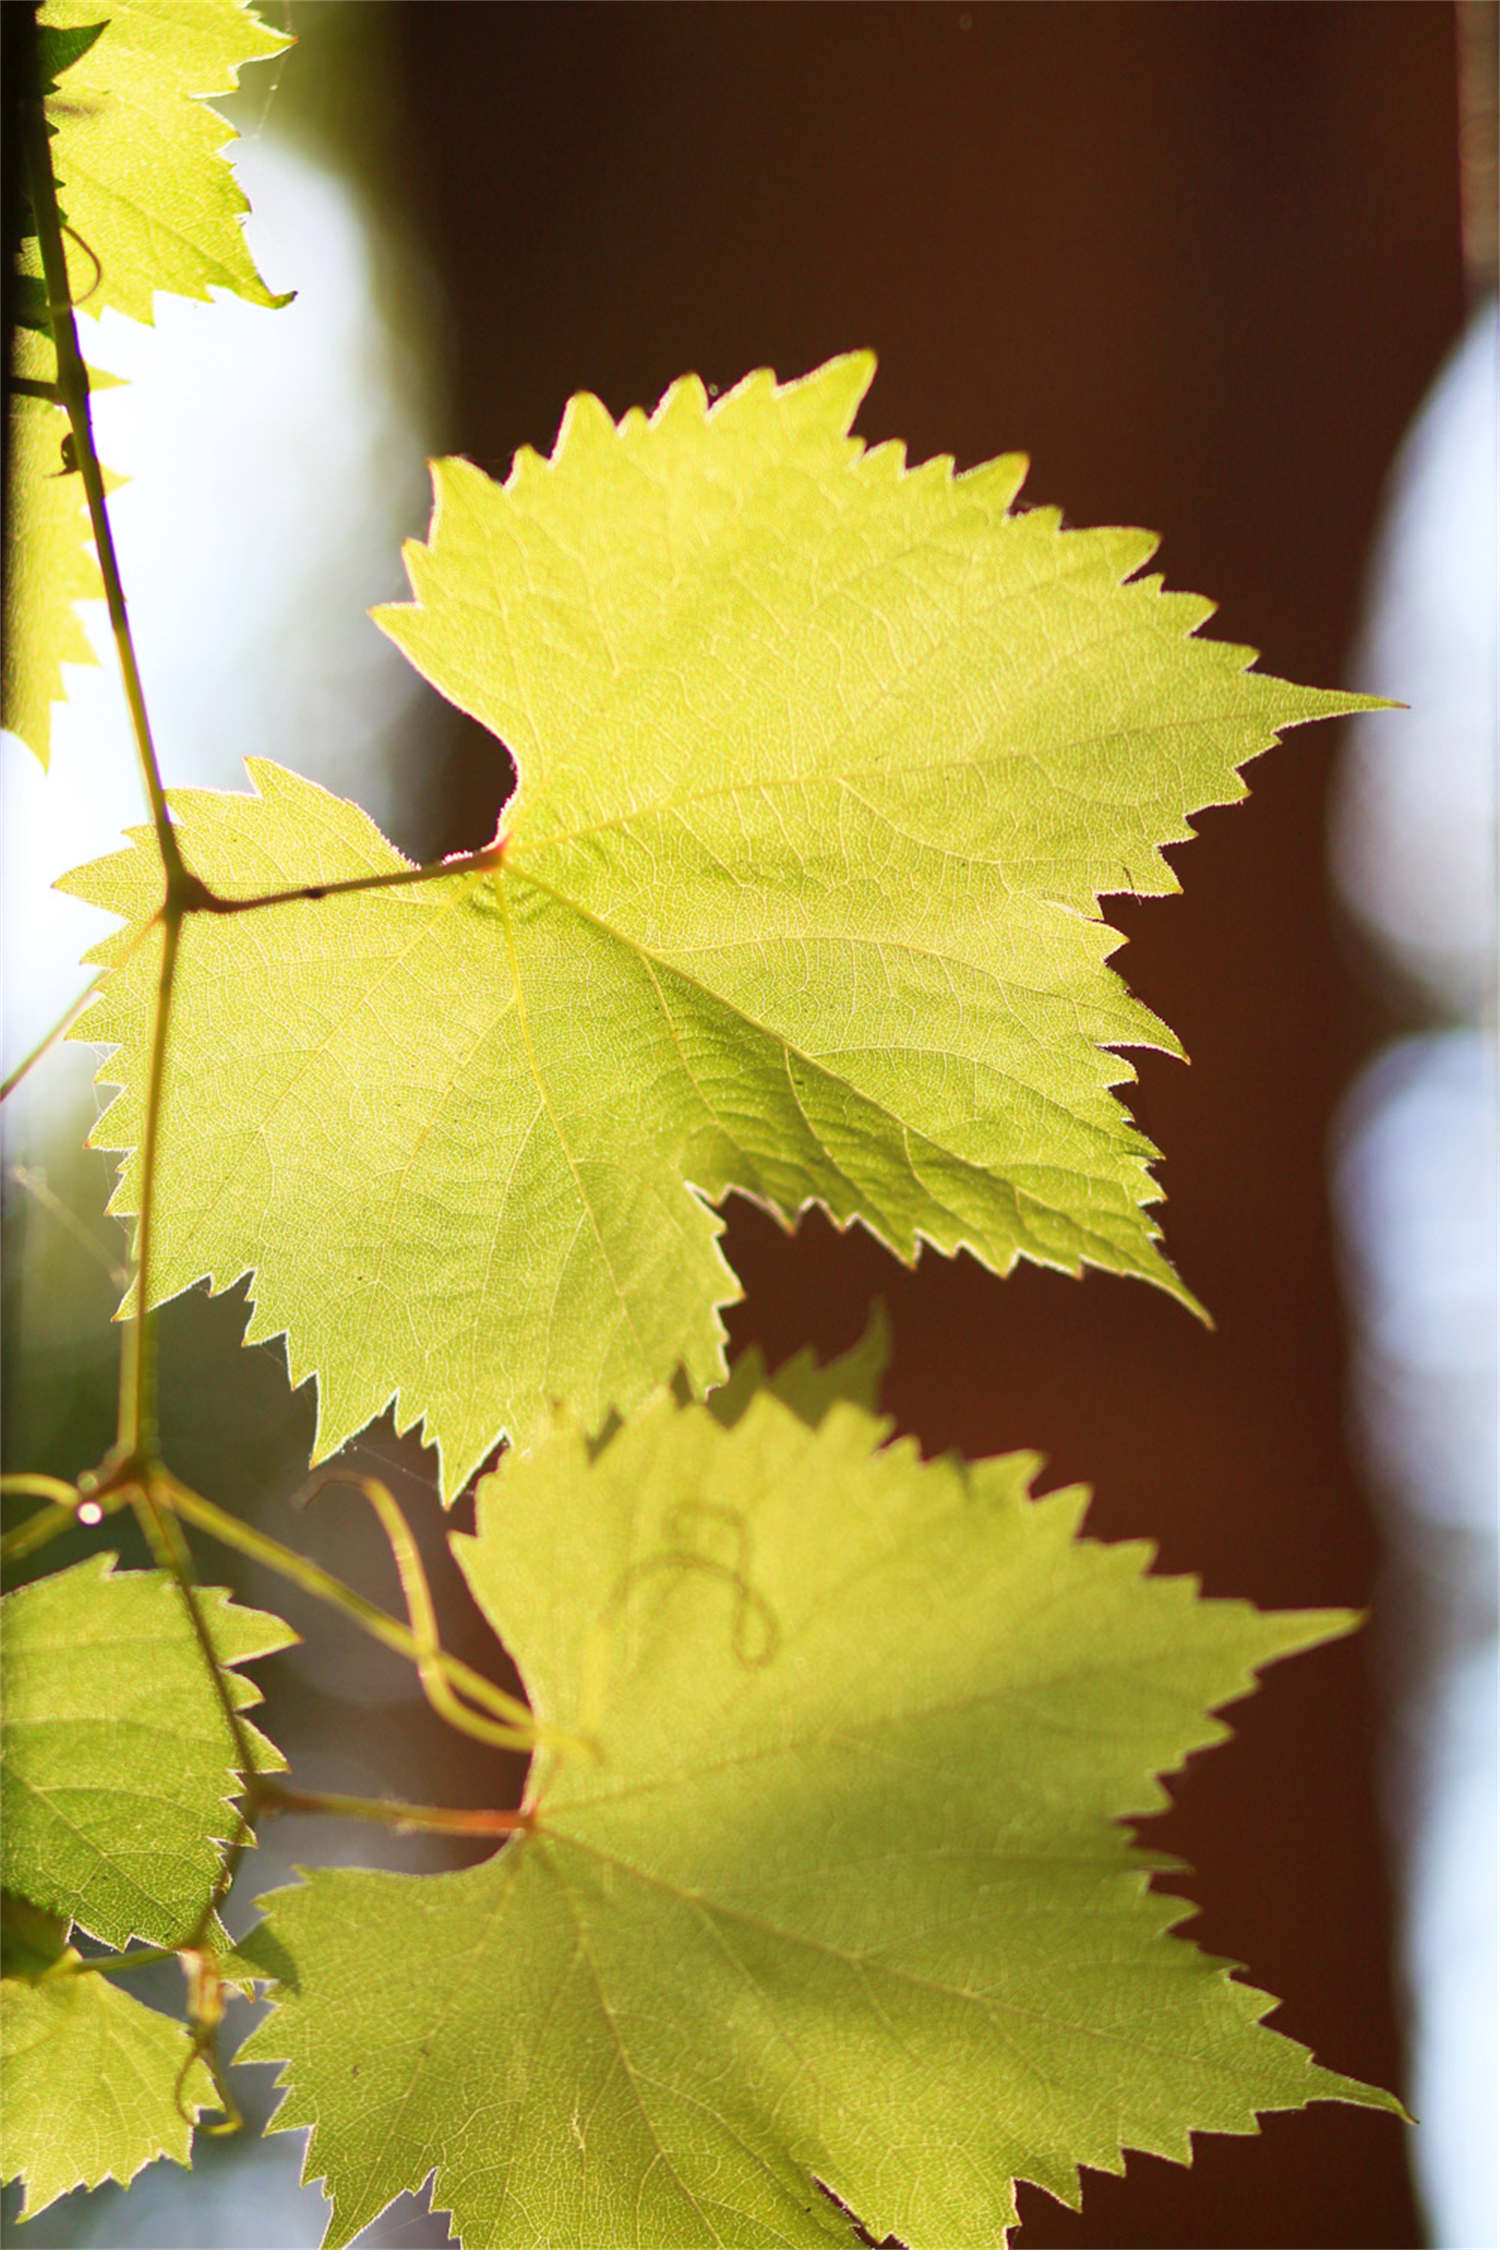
274, 1797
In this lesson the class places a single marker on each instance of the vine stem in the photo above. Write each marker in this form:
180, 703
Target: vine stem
206, 901
274, 1797
29, 1484
71, 1014
121, 1964
136, 1448
420, 1613
36, 1186
73, 392
135, 1470
137, 1424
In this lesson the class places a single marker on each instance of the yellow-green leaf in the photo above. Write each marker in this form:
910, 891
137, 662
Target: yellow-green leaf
91, 2085
118, 1772
49, 556
149, 200
842, 1896
824, 765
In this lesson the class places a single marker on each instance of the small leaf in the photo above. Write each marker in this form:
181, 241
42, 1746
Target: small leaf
119, 1772
149, 201
91, 2079
842, 1898
824, 766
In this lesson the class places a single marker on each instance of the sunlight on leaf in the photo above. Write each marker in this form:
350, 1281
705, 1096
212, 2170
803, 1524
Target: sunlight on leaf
90, 2086
118, 1773
842, 1898
824, 766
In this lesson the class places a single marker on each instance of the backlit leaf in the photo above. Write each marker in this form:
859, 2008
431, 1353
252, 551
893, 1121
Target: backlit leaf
91, 2079
840, 1899
49, 556
824, 765
118, 1773
149, 201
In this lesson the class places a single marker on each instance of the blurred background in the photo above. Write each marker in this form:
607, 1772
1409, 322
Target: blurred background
1225, 270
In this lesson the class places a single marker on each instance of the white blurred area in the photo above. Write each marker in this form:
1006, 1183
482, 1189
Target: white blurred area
1414, 852
276, 461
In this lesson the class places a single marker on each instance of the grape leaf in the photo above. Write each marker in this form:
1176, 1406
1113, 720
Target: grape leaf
49, 556
841, 1898
118, 1774
149, 201
824, 764
91, 2079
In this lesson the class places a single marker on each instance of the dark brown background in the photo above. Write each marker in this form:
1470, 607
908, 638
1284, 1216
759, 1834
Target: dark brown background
1200, 261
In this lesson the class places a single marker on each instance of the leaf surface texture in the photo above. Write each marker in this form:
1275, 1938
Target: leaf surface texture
146, 193
49, 556
824, 764
841, 1898
90, 2085
119, 1772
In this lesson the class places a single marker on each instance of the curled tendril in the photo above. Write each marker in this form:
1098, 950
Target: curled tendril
518, 1734
205, 2014
74, 236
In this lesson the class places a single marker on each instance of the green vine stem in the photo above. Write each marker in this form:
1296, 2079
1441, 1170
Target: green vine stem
275, 1797
88, 1502
69, 1508
116, 1964
73, 394
483, 862
28, 1484
36, 1185
137, 1427
71, 1014
136, 1435
134, 1472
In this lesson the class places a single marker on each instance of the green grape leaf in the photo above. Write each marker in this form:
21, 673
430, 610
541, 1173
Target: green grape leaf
149, 201
117, 1767
91, 2080
841, 1898
824, 765
49, 556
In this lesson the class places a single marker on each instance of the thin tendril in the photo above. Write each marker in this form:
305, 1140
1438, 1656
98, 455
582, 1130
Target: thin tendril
323, 1586
423, 1616
38, 1187
59, 1030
